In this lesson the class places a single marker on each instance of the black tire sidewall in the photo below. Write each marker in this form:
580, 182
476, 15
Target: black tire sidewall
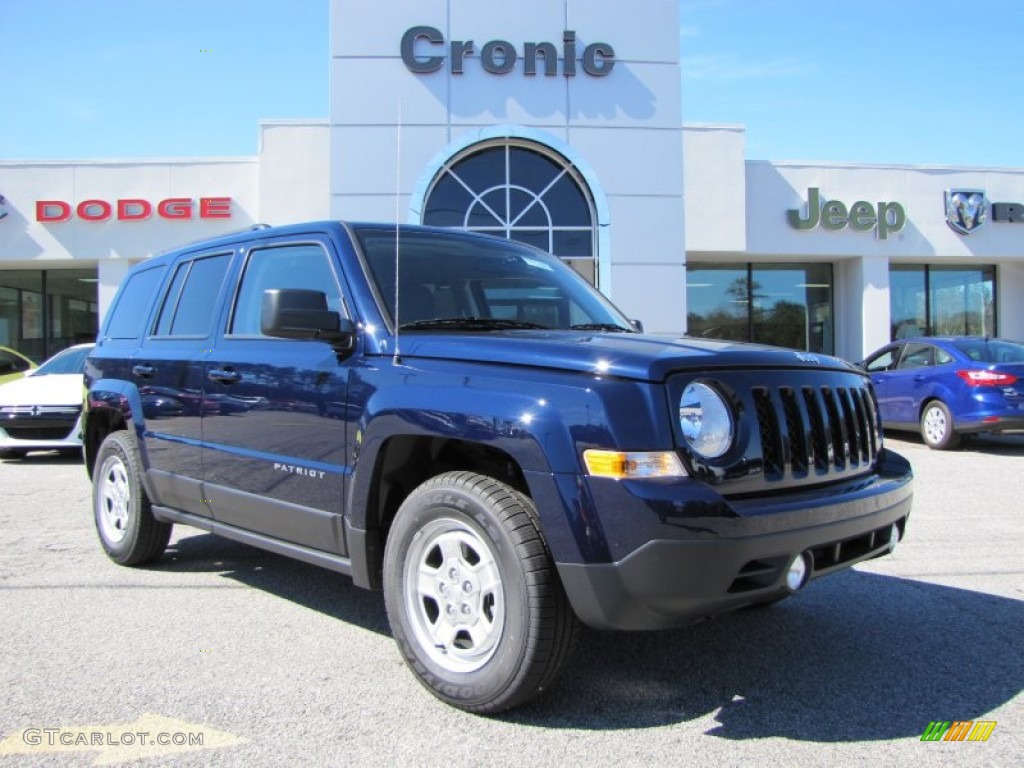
487, 684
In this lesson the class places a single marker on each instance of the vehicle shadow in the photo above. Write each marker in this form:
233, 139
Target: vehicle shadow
310, 586
856, 657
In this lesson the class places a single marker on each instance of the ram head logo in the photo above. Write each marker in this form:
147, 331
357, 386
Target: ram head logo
966, 209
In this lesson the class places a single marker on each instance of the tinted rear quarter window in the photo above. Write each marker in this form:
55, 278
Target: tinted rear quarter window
133, 305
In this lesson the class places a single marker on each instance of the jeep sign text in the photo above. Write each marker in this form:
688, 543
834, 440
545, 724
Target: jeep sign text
860, 217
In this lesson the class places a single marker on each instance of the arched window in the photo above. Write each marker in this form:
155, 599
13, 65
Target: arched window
520, 191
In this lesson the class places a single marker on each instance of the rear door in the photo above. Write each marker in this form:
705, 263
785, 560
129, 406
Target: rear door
168, 371
274, 426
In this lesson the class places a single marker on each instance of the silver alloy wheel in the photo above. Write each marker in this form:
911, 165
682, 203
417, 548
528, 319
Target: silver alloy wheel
935, 424
114, 496
453, 595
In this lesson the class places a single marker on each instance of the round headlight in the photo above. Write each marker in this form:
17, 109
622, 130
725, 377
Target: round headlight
705, 420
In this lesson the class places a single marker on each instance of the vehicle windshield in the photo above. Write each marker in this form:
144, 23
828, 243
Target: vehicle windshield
459, 282
69, 361
991, 350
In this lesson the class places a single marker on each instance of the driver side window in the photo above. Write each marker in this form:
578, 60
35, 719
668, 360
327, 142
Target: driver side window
289, 266
883, 362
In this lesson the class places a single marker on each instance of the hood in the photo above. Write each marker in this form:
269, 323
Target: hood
621, 355
53, 389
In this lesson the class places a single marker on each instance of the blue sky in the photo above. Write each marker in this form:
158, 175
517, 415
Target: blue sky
870, 81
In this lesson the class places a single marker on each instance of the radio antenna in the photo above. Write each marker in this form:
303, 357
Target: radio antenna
398, 208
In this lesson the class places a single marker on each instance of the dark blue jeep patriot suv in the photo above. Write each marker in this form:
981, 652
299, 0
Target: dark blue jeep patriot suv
467, 424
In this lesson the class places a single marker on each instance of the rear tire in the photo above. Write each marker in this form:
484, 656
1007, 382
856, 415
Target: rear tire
129, 533
472, 595
937, 427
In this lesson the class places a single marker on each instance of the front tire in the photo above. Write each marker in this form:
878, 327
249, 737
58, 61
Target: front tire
472, 595
937, 427
129, 533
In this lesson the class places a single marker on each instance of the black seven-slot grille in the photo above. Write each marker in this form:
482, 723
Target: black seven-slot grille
820, 430
797, 428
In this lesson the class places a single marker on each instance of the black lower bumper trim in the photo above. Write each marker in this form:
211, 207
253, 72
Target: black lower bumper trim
671, 583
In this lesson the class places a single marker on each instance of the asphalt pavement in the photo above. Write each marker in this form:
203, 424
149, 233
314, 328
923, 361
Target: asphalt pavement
232, 656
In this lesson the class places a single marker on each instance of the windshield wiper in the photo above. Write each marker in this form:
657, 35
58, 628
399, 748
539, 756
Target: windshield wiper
610, 327
470, 324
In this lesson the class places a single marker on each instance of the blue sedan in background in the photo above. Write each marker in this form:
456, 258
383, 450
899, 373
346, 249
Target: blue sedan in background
948, 387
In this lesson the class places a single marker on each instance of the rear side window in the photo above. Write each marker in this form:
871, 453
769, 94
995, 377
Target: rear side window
134, 303
917, 356
191, 300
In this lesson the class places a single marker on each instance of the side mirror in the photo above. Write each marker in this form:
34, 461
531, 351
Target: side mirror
297, 313
637, 325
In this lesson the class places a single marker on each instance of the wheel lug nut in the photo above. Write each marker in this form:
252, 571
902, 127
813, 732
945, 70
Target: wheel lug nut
467, 587
465, 609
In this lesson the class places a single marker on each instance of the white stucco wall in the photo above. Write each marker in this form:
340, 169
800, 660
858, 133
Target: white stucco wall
714, 174
294, 172
862, 259
388, 124
22, 238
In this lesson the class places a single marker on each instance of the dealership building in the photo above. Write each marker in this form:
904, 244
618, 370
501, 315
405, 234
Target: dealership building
559, 124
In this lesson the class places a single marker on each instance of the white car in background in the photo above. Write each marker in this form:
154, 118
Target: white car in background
43, 410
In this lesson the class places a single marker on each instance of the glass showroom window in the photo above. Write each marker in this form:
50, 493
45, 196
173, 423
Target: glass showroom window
45, 311
942, 301
519, 191
788, 305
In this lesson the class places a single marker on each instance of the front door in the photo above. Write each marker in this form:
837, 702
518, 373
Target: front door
273, 420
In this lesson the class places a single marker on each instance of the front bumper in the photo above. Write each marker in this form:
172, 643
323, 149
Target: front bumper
41, 429
720, 564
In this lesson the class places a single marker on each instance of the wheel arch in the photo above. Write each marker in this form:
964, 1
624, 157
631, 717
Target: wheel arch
400, 464
110, 406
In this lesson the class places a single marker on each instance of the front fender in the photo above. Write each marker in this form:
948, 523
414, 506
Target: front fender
541, 420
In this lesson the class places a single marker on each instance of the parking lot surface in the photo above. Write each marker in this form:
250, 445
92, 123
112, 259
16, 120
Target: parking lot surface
236, 657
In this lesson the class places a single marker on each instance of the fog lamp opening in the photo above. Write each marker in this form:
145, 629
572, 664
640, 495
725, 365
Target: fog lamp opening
798, 571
